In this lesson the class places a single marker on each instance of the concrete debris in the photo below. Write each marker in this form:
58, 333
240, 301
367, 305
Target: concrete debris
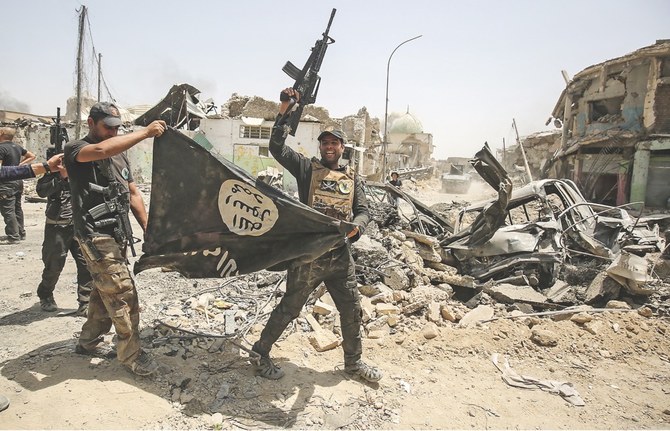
430, 331
322, 340
509, 293
560, 293
619, 305
630, 271
540, 246
416, 284
645, 311
479, 314
448, 313
396, 278
433, 313
544, 337
581, 318
375, 289
322, 308
602, 288
385, 309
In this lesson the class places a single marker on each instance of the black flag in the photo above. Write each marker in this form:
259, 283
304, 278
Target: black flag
209, 218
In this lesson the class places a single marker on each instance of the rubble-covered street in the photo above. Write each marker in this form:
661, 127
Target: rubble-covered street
457, 352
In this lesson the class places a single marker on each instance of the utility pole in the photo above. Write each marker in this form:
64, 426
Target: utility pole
503, 154
386, 108
523, 152
80, 59
99, 74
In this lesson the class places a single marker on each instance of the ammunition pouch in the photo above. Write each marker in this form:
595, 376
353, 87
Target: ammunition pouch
89, 249
115, 212
103, 209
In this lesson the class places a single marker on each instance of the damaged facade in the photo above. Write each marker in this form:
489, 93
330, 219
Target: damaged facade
408, 146
241, 132
615, 138
538, 148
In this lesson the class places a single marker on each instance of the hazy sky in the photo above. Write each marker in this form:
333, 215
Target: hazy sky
478, 64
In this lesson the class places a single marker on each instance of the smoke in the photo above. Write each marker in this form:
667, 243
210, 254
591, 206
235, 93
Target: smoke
9, 103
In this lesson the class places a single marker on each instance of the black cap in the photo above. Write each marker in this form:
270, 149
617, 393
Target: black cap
339, 134
107, 112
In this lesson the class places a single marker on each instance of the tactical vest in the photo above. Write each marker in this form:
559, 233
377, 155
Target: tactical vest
331, 192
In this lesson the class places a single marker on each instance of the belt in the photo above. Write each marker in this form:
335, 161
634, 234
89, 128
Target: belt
64, 222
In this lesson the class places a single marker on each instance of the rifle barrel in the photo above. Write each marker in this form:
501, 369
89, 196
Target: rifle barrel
330, 21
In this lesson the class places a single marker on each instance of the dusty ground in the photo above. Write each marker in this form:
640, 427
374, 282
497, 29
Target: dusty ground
619, 363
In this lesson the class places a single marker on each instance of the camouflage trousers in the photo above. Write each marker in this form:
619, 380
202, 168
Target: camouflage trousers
113, 299
336, 270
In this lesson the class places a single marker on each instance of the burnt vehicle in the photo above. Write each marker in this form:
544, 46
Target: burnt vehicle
390, 206
532, 230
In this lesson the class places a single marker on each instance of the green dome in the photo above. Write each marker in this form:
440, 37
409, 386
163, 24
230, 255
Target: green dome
407, 123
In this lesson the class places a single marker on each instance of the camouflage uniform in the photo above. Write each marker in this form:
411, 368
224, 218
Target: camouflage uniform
114, 296
113, 301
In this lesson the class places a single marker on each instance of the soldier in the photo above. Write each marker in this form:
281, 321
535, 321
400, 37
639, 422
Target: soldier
58, 240
333, 190
97, 162
11, 192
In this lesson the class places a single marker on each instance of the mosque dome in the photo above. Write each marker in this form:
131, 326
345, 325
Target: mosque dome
406, 123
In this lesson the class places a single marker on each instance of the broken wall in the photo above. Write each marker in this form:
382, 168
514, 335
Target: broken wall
661, 110
610, 111
245, 142
539, 148
35, 137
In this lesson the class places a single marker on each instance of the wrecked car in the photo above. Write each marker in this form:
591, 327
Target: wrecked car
492, 241
532, 230
390, 205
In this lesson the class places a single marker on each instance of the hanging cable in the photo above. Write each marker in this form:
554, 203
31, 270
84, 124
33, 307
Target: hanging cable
95, 59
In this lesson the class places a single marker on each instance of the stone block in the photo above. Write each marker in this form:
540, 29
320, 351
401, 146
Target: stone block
430, 331
510, 293
396, 278
372, 290
601, 288
367, 308
322, 308
433, 312
323, 340
447, 313
384, 308
481, 313
544, 337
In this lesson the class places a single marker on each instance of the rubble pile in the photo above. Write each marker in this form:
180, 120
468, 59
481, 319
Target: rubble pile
404, 304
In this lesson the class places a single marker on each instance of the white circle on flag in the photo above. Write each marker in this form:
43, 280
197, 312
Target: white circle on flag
245, 210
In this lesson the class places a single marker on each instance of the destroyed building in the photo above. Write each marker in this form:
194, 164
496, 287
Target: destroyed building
538, 148
615, 138
408, 145
240, 132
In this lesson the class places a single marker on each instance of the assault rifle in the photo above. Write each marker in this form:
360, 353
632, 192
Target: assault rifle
115, 207
57, 137
306, 79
